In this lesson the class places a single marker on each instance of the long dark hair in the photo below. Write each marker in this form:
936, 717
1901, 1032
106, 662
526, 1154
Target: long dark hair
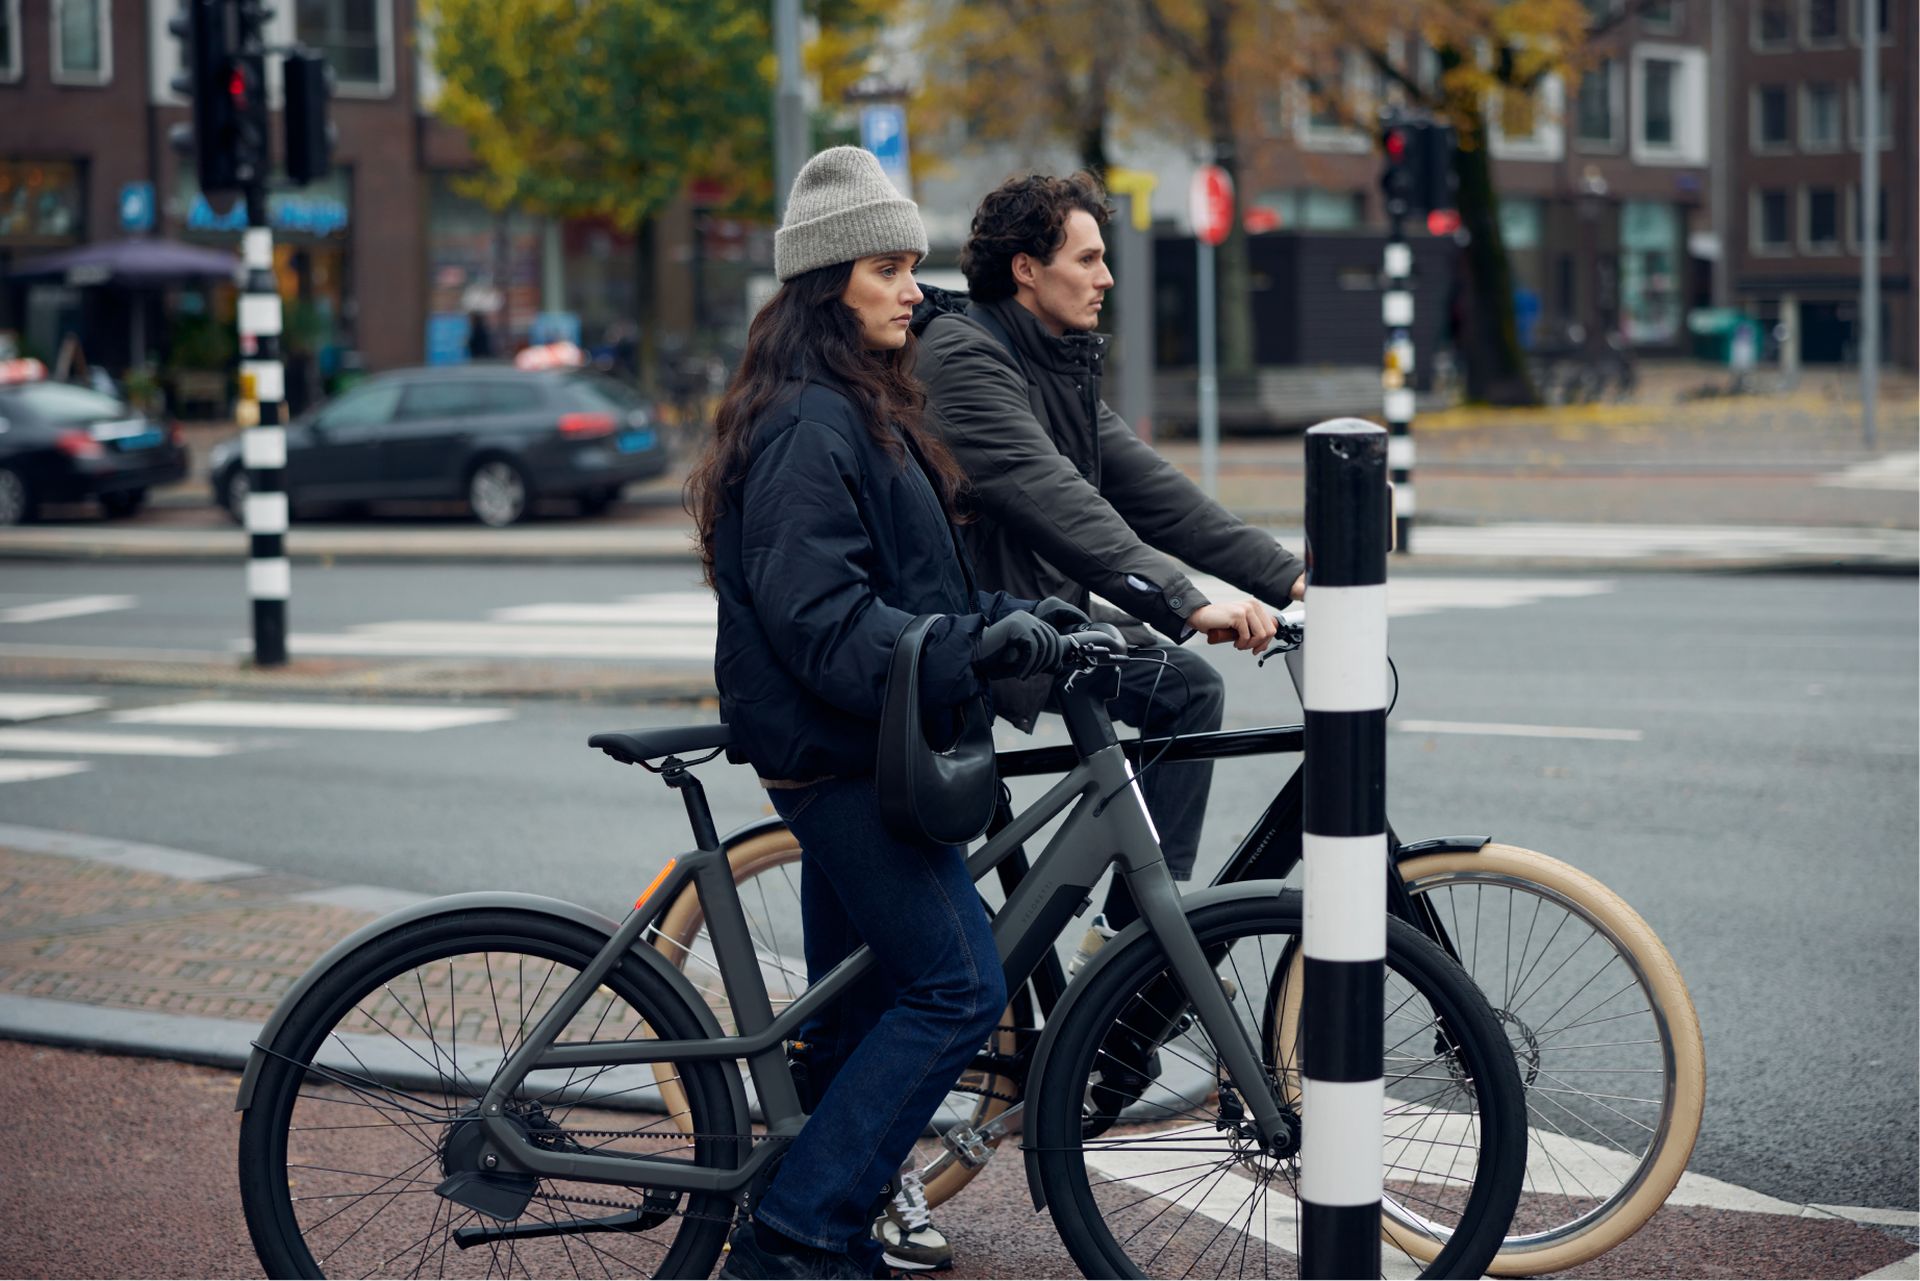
803, 331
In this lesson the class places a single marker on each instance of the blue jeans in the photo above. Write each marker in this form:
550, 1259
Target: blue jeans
887, 1051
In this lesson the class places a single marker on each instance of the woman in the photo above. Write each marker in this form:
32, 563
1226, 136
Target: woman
823, 515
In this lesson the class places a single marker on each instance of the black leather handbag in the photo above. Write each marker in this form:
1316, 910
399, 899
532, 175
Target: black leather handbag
927, 793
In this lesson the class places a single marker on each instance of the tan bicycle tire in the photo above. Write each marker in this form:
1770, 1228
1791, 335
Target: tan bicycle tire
1672, 1003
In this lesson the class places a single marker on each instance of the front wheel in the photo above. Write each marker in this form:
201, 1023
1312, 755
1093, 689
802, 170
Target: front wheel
361, 1114
499, 493
16, 500
1165, 1178
1603, 1029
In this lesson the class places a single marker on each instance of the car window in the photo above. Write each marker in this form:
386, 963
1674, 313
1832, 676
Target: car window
64, 406
489, 398
592, 391
368, 406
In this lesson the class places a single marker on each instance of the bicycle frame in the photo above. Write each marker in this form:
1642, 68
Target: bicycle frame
1106, 824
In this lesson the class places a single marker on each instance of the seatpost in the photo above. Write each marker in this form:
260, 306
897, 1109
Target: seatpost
673, 772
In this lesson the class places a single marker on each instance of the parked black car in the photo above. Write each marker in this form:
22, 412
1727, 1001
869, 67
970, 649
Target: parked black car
61, 444
495, 436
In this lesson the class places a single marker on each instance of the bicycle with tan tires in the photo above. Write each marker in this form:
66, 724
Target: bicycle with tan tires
1605, 1034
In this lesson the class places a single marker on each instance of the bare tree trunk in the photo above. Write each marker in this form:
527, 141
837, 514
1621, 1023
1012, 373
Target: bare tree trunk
1496, 367
646, 307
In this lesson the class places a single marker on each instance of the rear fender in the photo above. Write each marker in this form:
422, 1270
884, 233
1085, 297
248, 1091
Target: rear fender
572, 913
1442, 845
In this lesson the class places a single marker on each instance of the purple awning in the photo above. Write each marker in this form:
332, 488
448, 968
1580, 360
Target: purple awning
139, 261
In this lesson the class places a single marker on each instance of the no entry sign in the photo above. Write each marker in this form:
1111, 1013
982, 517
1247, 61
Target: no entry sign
1212, 204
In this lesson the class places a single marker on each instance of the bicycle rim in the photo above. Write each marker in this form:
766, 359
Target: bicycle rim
363, 1112
1604, 1032
1170, 1184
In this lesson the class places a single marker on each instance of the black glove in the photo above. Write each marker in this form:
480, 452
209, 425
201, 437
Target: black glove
1062, 616
1019, 646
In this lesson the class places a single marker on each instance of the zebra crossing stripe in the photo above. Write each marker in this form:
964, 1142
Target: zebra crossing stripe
21, 771
33, 707
84, 744
71, 607
382, 717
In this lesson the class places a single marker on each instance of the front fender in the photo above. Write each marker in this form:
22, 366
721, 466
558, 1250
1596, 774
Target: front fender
1192, 901
538, 904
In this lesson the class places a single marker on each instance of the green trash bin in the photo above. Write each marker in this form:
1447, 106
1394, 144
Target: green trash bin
1722, 333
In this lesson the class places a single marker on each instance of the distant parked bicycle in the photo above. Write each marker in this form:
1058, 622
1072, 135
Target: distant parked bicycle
1604, 1031
1571, 370
451, 1089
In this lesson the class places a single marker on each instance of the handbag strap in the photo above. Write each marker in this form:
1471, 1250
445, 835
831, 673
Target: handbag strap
900, 708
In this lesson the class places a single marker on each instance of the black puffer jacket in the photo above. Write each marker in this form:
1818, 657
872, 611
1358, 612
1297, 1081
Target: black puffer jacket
822, 556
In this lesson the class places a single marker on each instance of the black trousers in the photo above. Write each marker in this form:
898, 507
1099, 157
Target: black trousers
1187, 696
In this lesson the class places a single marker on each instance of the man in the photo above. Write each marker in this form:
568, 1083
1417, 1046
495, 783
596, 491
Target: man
1068, 502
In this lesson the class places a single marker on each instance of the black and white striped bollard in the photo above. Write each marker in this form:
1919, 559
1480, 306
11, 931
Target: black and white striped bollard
263, 445
1344, 940
1396, 378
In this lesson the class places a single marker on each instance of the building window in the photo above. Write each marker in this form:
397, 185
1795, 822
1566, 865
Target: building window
1771, 222
1650, 271
1773, 24
1820, 117
1661, 15
1880, 15
1770, 128
1335, 109
1883, 123
355, 36
1669, 104
82, 35
1820, 22
1599, 106
1819, 220
9, 39
1853, 219
1529, 126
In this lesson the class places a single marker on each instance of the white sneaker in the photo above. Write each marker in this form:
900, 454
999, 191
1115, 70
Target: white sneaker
908, 1240
1096, 938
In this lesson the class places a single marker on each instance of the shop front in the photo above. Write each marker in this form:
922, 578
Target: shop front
42, 207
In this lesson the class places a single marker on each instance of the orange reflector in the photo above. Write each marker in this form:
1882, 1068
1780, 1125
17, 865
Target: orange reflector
653, 885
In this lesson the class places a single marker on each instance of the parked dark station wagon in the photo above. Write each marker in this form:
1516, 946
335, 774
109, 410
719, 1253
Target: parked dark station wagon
493, 436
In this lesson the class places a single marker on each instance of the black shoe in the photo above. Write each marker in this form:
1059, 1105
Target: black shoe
747, 1258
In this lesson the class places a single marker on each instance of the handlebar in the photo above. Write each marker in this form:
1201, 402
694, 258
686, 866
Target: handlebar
1093, 645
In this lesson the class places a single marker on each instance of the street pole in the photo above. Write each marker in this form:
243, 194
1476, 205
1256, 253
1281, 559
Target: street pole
263, 444
789, 105
1344, 848
1869, 218
1209, 376
1396, 374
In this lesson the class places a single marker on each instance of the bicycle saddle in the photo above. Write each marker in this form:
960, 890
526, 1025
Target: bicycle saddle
631, 747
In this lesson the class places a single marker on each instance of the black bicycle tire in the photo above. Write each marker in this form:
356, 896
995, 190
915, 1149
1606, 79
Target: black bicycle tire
262, 1147
1056, 1123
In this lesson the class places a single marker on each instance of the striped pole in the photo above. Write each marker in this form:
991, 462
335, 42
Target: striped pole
1344, 820
1396, 376
262, 411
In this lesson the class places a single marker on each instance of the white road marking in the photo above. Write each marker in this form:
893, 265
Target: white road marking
1410, 597
1905, 1270
351, 716
1499, 730
71, 607
661, 609
509, 640
1561, 541
33, 707
83, 744
16, 771
1894, 471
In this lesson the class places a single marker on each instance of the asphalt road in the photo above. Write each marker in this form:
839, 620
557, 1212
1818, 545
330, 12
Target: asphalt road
1764, 822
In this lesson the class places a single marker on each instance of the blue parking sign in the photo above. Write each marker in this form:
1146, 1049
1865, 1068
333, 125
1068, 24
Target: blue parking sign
136, 206
883, 131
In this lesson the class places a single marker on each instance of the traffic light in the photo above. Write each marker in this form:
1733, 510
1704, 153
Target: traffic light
208, 42
1419, 167
309, 84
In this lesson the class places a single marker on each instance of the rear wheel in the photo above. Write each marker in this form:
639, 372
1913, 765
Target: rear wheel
16, 500
1169, 1179
499, 492
234, 488
362, 1115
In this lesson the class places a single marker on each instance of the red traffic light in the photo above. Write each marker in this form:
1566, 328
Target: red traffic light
237, 85
1396, 145
1443, 222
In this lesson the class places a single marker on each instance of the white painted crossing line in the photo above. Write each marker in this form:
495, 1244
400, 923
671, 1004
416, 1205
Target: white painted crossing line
1410, 597
1894, 471
476, 640
384, 717
19, 771
33, 707
1552, 541
662, 609
71, 607
84, 744
1499, 730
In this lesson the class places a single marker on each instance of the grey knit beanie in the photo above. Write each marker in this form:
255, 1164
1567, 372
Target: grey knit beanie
842, 208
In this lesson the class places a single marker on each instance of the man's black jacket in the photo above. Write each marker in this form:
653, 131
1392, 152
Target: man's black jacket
1065, 498
825, 551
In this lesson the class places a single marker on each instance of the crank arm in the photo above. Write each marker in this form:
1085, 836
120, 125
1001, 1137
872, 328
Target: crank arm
650, 1215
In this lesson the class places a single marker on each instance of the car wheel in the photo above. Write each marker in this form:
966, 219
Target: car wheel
498, 493
594, 502
124, 503
16, 501
233, 494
